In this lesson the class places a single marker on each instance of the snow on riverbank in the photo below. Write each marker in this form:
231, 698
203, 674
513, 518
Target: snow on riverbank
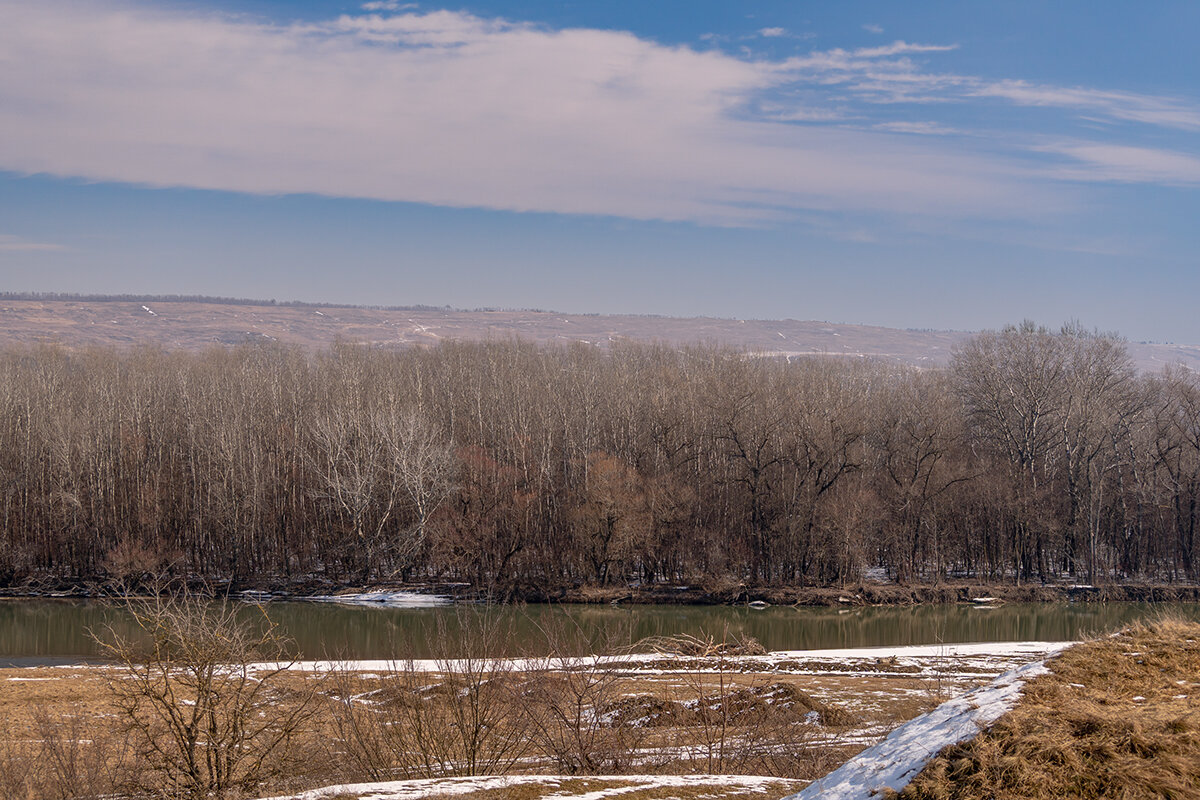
896, 760
945, 660
950, 661
1015, 649
384, 599
554, 787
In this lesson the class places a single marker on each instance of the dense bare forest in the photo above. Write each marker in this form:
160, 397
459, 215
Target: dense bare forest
1037, 456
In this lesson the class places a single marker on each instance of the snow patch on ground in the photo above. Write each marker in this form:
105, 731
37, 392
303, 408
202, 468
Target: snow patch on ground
416, 789
928, 650
896, 760
385, 599
949, 661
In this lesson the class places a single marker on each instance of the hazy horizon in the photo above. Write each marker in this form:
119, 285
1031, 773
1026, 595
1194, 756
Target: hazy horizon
285, 302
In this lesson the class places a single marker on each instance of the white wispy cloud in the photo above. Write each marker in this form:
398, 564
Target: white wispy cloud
11, 243
871, 27
1165, 112
790, 112
773, 32
388, 5
445, 108
452, 109
923, 128
885, 74
888, 74
900, 47
864, 59
1097, 161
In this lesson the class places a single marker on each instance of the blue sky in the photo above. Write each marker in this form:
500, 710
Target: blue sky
933, 165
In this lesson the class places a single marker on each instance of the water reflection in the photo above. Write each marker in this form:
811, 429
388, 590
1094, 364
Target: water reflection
48, 631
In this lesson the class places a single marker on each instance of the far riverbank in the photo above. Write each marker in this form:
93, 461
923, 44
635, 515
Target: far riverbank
728, 594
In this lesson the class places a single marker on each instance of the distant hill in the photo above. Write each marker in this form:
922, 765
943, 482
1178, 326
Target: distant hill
194, 323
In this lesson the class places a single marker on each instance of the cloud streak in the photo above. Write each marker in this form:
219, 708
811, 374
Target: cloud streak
10, 243
1095, 161
918, 127
888, 74
1159, 111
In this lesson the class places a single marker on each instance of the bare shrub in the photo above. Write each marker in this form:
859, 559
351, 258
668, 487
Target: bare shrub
724, 725
575, 705
130, 563
203, 720
18, 774
73, 757
463, 717
574, 709
83, 758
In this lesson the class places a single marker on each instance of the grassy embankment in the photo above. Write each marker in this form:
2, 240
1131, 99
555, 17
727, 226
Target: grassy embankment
1118, 717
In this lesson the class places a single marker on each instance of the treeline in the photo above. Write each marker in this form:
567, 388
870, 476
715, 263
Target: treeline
1037, 456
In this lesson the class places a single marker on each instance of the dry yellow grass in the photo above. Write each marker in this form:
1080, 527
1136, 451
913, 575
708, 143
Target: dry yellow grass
72, 710
702, 716
1116, 718
53, 690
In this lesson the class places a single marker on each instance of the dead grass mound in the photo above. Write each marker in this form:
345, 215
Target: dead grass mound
787, 696
1116, 718
649, 711
748, 705
687, 645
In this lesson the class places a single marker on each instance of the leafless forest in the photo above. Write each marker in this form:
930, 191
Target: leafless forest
523, 469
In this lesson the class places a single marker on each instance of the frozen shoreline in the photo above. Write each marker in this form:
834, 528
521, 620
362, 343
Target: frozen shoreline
969, 658
420, 788
384, 599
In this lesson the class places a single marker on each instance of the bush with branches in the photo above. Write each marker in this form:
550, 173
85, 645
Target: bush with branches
208, 718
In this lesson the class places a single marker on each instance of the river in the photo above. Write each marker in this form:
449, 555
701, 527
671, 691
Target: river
63, 631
